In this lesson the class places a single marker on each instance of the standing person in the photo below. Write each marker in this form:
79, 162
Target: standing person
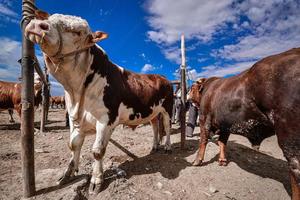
176, 105
192, 119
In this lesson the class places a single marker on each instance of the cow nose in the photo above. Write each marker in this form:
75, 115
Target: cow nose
43, 26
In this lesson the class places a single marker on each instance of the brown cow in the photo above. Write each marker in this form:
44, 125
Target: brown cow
257, 103
10, 96
58, 101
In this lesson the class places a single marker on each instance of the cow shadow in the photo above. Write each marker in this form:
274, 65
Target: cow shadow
12, 126
17, 125
257, 163
56, 128
168, 165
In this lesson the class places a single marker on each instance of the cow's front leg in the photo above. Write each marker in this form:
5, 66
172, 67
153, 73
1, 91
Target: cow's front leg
102, 138
204, 131
76, 141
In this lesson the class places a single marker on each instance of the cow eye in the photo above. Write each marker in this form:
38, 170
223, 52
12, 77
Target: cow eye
77, 33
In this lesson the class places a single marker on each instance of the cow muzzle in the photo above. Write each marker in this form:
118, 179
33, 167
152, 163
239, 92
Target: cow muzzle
36, 31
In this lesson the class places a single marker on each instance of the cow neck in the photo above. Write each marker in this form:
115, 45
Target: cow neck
72, 77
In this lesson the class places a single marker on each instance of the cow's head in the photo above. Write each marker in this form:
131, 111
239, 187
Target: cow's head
195, 93
61, 34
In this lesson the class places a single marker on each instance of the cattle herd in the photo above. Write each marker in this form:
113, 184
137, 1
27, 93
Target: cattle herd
99, 95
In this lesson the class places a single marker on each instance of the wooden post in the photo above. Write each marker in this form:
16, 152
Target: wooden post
27, 113
45, 102
47, 94
183, 92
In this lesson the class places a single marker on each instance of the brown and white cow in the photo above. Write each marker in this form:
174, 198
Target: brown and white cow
99, 94
10, 96
262, 101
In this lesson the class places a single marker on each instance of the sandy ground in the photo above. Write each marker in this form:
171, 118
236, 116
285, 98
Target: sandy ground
249, 174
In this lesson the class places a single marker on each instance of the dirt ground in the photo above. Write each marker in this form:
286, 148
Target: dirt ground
249, 174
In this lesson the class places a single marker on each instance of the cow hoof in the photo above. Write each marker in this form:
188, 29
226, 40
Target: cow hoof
223, 162
95, 189
168, 148
154, 150
168, 151
197, 162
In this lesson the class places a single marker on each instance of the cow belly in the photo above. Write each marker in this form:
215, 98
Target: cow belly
127, 115
6, 104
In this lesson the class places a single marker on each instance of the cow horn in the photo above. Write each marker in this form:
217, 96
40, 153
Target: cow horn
39, 14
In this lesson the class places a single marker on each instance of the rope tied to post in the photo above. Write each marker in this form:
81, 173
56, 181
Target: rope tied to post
28, 12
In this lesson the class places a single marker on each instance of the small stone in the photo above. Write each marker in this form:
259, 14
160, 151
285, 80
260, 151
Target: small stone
121, 173
159, 185
168, 193
60, 138
212, 189
41, 151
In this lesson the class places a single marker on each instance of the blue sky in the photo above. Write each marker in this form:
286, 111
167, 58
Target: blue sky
223, 37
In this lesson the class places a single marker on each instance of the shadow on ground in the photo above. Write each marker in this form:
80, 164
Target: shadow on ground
169, 165
257, 163
17, 126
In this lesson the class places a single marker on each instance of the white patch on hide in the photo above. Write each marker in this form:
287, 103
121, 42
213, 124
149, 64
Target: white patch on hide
125, 112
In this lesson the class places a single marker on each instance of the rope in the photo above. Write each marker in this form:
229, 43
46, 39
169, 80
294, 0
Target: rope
28, 12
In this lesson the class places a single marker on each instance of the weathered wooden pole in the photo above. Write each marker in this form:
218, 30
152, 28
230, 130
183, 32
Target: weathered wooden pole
183, 92
27, 100
47, 94
45, 102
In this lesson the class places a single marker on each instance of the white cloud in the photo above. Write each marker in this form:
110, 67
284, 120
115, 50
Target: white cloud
196, 19
7, 11
263, 27
148, 68
275, 28
7, 14
214, 70
200, 60
144, 57
173, 54
10, 69
253, 47
10, 53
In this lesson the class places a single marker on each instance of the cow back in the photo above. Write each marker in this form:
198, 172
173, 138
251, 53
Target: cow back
10, 94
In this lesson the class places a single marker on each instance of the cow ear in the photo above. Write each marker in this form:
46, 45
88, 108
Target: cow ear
200, 80
201, 88
98, 36
39, 14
